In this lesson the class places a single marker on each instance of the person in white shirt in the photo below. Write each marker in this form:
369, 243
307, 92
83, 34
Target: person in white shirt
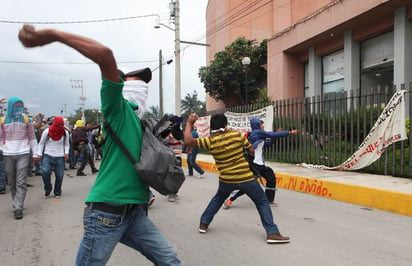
54, 150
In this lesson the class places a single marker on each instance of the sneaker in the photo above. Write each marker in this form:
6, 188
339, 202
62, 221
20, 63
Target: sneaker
227, 204
94, 170
18, 214
277, 238
201, 176
57, 196
151, 200
203, 228
47, 195
273, 204
172, 197
80, 173
3, 191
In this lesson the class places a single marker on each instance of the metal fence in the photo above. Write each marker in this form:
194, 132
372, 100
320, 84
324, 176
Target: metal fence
332, 127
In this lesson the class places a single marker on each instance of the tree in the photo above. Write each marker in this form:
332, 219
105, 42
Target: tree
153, 112
224, 79
191, 104
91, 115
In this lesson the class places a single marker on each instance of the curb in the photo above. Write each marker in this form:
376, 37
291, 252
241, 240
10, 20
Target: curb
396, 202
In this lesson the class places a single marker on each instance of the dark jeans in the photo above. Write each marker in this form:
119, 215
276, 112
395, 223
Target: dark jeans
3, 182
255, 193
87, 158
191, 163
72, 159
268, 174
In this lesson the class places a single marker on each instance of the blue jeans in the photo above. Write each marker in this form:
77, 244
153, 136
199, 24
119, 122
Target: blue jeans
103, 230
255, 193
72, 159
191, 163
46, 166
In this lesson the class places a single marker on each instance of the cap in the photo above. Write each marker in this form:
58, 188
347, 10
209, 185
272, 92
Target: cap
145, 74
79, 123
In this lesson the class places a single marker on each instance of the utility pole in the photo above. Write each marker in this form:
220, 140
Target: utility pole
63, 111
78, 83
174, 13
160, 84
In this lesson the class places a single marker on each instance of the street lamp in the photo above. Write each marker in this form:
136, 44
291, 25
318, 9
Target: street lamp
174, 7
246, 63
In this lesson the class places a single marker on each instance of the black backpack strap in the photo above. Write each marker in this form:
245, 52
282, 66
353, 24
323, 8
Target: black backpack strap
109, 129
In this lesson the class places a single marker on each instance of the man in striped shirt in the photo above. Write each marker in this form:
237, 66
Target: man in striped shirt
226, 147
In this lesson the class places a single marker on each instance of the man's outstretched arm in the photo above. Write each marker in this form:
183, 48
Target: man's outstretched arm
95, 51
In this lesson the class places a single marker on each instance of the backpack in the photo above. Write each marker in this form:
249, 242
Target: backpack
3, 133
158, 166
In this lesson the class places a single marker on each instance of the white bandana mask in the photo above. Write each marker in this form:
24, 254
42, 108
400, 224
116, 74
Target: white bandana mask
135, 91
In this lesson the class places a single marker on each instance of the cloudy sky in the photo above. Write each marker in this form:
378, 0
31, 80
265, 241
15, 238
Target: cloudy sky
43, 77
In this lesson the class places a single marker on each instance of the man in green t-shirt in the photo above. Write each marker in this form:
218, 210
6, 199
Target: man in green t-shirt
116, 203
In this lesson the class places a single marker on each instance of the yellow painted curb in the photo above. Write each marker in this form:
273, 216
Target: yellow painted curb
396, 202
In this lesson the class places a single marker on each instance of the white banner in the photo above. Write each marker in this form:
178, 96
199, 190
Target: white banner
238, 121
388, 129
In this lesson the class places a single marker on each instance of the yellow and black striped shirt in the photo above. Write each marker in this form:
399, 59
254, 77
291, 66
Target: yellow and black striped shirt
227, 150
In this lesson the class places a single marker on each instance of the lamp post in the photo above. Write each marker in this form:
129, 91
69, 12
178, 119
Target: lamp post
174, 7
246, 63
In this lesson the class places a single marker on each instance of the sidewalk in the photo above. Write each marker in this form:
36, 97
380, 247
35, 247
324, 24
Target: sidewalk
386, 193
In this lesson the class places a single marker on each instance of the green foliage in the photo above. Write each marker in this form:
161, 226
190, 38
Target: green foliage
225, 78
263, 97
91, 115
191, 104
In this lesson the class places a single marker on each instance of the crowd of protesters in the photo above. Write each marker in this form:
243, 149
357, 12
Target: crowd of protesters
40, 145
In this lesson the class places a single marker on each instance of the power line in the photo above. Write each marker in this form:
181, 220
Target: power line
69, 63
236, 17
79, 21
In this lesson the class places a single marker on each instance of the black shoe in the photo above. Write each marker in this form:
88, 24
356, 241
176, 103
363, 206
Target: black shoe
47, 195
95, 170
81, 173
29, 185
18, 214
3, 191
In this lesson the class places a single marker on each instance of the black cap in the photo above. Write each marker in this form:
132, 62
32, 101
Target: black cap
145, 74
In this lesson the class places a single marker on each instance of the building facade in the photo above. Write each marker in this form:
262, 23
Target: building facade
318, 47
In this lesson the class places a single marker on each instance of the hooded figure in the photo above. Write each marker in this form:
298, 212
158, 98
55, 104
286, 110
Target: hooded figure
259, 135
17, 135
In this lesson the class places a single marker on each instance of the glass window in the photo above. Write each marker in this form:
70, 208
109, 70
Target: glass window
333, 72
377, 61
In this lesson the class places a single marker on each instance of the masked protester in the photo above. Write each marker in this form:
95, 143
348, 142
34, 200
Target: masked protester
17, 136
54, 150
135, 89
114, 209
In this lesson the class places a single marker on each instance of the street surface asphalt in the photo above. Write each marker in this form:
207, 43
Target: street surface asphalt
323, 231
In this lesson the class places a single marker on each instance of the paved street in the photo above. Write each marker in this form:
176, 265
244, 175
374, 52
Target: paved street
322, 231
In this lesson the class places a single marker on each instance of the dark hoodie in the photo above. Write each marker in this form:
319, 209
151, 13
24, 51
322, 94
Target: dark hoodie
257, 135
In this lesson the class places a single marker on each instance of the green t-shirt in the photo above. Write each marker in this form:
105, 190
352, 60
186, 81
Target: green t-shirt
118, 181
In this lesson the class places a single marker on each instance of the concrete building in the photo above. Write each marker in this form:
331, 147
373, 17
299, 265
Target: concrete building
317, 47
